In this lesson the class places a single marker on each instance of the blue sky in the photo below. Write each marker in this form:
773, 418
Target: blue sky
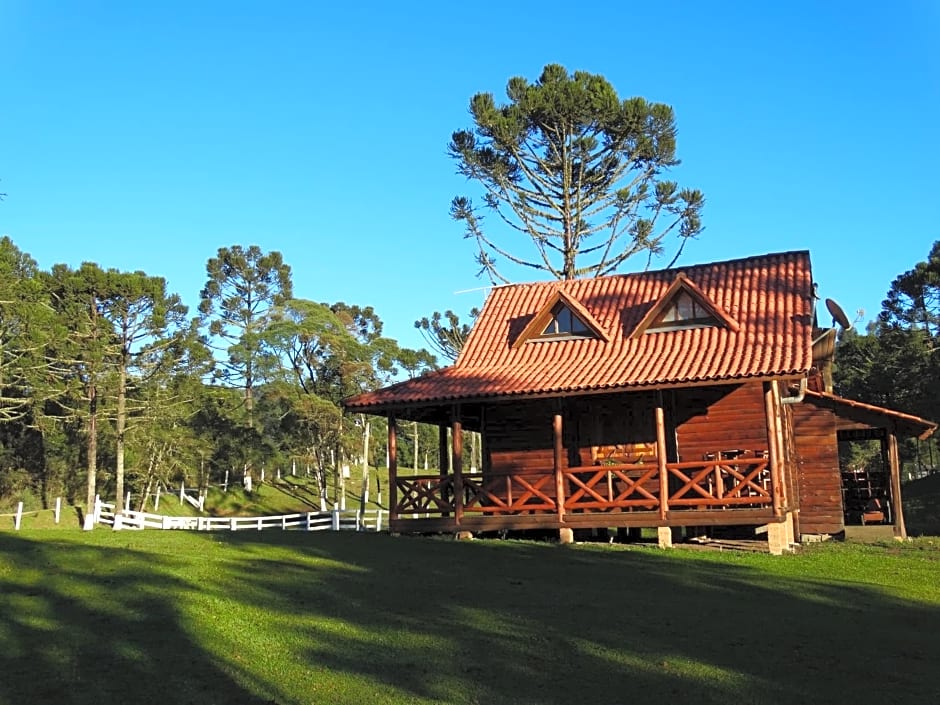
148, 135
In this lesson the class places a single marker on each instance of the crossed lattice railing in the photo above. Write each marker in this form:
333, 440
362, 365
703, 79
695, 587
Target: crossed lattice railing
706, 484
425, 494
722, 483
613, 487
510, 493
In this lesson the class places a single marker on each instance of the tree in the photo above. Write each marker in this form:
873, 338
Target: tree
146, 323
445, 333
569, 165
242, 296
26, 323
896, 364
913, 301
84, 356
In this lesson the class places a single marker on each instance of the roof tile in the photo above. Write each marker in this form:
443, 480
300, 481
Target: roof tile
769, 296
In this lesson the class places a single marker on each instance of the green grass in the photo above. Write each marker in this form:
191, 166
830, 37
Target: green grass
273, 617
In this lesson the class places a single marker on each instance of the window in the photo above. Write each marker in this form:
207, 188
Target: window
564, 323
684, 311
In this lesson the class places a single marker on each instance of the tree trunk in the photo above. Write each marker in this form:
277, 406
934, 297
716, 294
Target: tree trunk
364, 497
416, 447
92, 449
120, 426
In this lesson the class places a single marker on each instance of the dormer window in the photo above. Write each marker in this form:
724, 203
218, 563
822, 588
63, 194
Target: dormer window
681, 307
561, 317
564, 323
683, 312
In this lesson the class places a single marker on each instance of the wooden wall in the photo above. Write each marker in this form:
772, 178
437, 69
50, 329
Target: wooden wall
615, 428
518, 436
621, 428
820, 484
712, 419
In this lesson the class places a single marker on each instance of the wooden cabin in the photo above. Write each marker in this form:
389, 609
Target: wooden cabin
682, 399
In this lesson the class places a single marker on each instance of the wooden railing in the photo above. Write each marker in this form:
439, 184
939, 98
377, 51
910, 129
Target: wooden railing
509, 493
701, 485
425, 494
721, 483
602, 488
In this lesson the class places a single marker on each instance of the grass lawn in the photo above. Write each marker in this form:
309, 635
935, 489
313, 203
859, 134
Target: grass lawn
272, 617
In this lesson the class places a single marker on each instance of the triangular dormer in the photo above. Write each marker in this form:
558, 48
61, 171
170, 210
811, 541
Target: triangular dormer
682, 307
560, 318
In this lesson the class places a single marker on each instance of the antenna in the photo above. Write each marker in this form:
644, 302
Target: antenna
838, 315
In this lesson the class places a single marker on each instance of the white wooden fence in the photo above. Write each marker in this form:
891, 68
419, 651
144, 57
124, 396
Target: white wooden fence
336, 520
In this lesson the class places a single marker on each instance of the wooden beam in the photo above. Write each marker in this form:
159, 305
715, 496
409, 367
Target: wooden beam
456, 433
782, 454
557, 457
773, 450
661, 457
894, 467
392, 468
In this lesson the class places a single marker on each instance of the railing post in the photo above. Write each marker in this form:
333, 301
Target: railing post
335, 519
378, 520
19, 516
58, 509
233, 524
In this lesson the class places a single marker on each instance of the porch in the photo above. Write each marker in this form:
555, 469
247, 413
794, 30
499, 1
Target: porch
722, 491
604, 462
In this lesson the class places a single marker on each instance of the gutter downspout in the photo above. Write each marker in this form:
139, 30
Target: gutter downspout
799, 396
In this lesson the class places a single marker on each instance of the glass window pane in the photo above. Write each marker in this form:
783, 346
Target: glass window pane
685, 308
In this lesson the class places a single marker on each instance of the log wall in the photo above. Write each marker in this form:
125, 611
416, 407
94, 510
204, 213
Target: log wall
620, 428
820, 484
518, 436
709, 420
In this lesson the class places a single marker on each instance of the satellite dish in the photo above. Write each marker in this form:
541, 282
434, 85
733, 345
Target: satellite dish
838, 315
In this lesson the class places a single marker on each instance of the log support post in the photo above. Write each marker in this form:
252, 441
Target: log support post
782, 454
661, 460
894, 467
565, 533
557, 462
773, 449
392, 468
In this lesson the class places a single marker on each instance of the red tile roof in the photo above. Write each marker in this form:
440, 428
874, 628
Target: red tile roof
769, 297
913, 425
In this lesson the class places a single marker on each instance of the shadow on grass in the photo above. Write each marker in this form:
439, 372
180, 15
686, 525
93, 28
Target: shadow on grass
357, 618
530, 623
78, 627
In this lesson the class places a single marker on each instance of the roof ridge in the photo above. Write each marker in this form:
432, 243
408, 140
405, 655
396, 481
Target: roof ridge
561, 283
